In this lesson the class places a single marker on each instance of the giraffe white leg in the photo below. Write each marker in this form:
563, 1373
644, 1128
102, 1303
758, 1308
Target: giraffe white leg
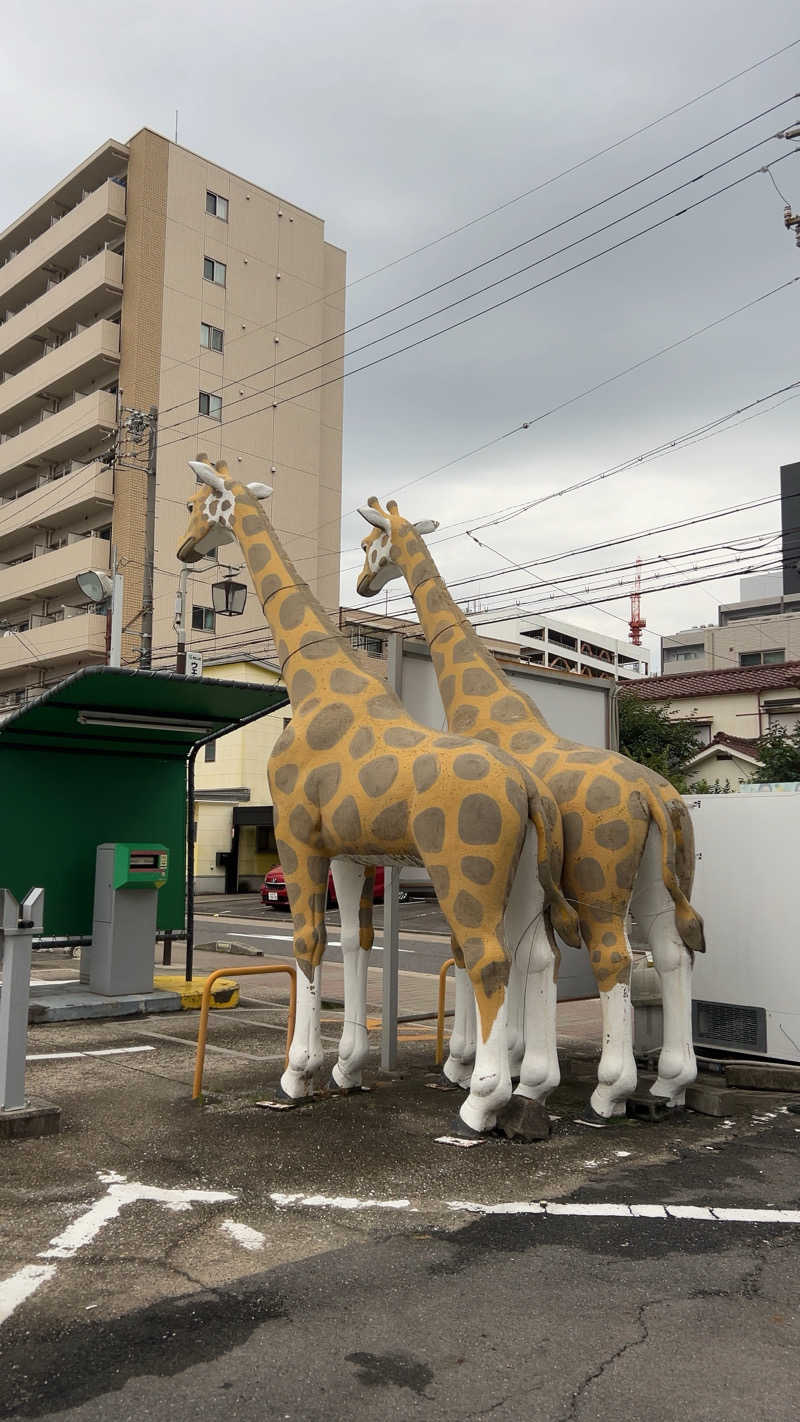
532, 1053
539, 1071
305, 1054
461, 1047
490, 1084
655, 913
616, 1074
354, 1044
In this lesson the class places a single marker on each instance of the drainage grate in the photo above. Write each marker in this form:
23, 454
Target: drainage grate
726, 1024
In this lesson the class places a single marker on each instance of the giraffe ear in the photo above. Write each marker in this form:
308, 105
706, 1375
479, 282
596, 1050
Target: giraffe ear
377, 520
261, 491
426, 525
207, 475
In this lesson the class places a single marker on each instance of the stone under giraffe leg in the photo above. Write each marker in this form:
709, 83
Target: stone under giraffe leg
354, 887
654, 912
611, 960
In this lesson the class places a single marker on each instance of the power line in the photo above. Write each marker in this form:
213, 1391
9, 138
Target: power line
509, 251
494, 306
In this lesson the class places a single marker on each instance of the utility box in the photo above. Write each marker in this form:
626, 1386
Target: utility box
127, 880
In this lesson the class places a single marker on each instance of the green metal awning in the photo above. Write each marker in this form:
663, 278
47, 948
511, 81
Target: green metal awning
101, 758
156, 714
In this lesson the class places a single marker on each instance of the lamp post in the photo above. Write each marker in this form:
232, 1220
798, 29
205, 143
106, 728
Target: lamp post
107, 593
228, 598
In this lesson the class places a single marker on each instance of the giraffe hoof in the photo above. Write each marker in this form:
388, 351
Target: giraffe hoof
468, 1133
286, 1100
590, 1117
334, 1087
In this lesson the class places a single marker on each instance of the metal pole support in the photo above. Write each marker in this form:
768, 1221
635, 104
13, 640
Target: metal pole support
18, 923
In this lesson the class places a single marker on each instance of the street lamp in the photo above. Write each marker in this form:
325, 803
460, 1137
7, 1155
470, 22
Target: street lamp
228, 598
107, 593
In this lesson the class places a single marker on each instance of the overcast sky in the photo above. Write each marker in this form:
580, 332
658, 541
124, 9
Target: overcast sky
397, 122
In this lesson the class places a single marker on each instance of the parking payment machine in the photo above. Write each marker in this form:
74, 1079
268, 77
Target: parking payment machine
127, 880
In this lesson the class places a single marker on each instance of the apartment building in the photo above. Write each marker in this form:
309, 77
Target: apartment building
150, 277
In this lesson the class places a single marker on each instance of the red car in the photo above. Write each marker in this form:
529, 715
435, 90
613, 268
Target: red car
274, 895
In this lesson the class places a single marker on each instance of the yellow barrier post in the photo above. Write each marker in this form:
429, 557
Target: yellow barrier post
448, 963
202, 1033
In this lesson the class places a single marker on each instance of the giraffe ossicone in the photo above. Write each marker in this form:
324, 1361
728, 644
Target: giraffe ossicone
354, 778
627, 831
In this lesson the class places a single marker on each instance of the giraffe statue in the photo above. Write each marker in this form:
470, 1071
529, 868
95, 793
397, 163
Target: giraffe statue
354, 777
628, 840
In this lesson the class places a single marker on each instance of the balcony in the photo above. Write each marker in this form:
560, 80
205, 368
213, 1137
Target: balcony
49, 573
90, 358
99, 218
57, 503
73, 433
75, 639
89, 292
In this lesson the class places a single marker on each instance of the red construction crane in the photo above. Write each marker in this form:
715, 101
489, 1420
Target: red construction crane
637, 622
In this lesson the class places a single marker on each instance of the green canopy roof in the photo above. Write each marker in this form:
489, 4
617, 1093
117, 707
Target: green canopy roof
156, 714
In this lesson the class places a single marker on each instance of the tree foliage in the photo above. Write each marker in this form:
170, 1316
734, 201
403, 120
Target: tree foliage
779, 753
649, 734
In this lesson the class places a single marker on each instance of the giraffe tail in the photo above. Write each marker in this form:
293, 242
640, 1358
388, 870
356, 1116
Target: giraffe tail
674, 823
545, 816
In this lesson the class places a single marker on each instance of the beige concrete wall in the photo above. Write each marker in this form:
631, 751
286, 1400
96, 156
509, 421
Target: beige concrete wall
241, 761
280, 298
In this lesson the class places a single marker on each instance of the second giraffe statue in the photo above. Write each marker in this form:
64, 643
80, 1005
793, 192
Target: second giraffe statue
628, 840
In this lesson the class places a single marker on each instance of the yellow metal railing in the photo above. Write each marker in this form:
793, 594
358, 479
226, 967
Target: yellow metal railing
448, 963
202, 1033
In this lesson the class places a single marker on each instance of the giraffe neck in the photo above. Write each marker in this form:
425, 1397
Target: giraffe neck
302, 630
454, 643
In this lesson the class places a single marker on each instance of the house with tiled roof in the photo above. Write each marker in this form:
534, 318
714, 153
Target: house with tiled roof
730, 709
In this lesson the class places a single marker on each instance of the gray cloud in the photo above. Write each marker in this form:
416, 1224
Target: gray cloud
398, 122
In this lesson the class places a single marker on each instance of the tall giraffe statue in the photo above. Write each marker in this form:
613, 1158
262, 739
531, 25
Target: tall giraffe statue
353, 776
628, 838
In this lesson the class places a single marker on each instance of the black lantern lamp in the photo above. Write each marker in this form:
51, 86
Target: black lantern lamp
228, 598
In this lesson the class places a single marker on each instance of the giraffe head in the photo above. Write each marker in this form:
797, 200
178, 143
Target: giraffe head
211, 508
389, 530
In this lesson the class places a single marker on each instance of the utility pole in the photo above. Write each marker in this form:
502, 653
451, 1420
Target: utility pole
146, 653
134, 425
180, 620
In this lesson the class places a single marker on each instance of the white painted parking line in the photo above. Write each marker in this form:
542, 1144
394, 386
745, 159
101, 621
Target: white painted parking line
21, 1285
565, 1208
251, 1239
93, 1052
86, 1227
283, 938
337, 1202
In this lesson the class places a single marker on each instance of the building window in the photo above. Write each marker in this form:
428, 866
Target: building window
686, 653
210, 405
214, 271
762, 659
365, 642
203, 619
211, 751
217, 206
210, 337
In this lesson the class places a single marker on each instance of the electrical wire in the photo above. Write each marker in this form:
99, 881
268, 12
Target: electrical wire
509, 251
494, 306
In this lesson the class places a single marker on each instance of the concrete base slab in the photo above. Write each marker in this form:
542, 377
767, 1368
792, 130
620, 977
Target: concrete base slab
763, 1076
711, 1098
35, 1118
63, 1002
